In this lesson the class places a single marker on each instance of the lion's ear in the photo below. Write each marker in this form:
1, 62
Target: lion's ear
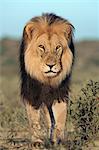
69, 30
29, 30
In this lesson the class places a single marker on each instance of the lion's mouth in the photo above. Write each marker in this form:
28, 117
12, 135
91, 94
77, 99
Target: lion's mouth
51, 73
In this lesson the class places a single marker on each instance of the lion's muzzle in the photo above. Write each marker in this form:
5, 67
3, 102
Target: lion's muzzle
51, 70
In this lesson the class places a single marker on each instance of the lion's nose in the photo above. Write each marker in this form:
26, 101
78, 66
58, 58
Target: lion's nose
50, 65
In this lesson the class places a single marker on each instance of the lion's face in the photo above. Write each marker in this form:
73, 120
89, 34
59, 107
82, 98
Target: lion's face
49, 52
47, 56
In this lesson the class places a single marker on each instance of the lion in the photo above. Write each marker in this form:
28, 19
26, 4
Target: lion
46, 60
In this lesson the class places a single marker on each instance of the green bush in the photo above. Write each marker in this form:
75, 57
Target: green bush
84, 113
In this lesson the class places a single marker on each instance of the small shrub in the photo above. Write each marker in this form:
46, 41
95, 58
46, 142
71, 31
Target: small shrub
84, 113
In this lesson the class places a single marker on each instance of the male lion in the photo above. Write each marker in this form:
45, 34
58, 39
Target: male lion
46, 60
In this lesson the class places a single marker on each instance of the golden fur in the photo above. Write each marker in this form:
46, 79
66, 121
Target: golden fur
46, 59
49, 36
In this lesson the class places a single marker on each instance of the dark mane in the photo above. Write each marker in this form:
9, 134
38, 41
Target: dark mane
31, 88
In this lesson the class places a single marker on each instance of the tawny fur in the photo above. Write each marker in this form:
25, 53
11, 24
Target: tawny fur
46, 60
34, 62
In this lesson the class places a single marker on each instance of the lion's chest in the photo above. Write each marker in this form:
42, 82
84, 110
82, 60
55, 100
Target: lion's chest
48, 94
39, 93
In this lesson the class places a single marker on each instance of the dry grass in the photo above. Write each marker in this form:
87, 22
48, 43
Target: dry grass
14, 127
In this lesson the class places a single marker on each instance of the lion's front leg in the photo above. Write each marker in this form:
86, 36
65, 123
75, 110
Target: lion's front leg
59, 110
34, 122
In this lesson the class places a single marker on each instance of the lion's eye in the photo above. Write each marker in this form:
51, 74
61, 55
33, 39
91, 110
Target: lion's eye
41, 50
42, 47
59, 50
58, 47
